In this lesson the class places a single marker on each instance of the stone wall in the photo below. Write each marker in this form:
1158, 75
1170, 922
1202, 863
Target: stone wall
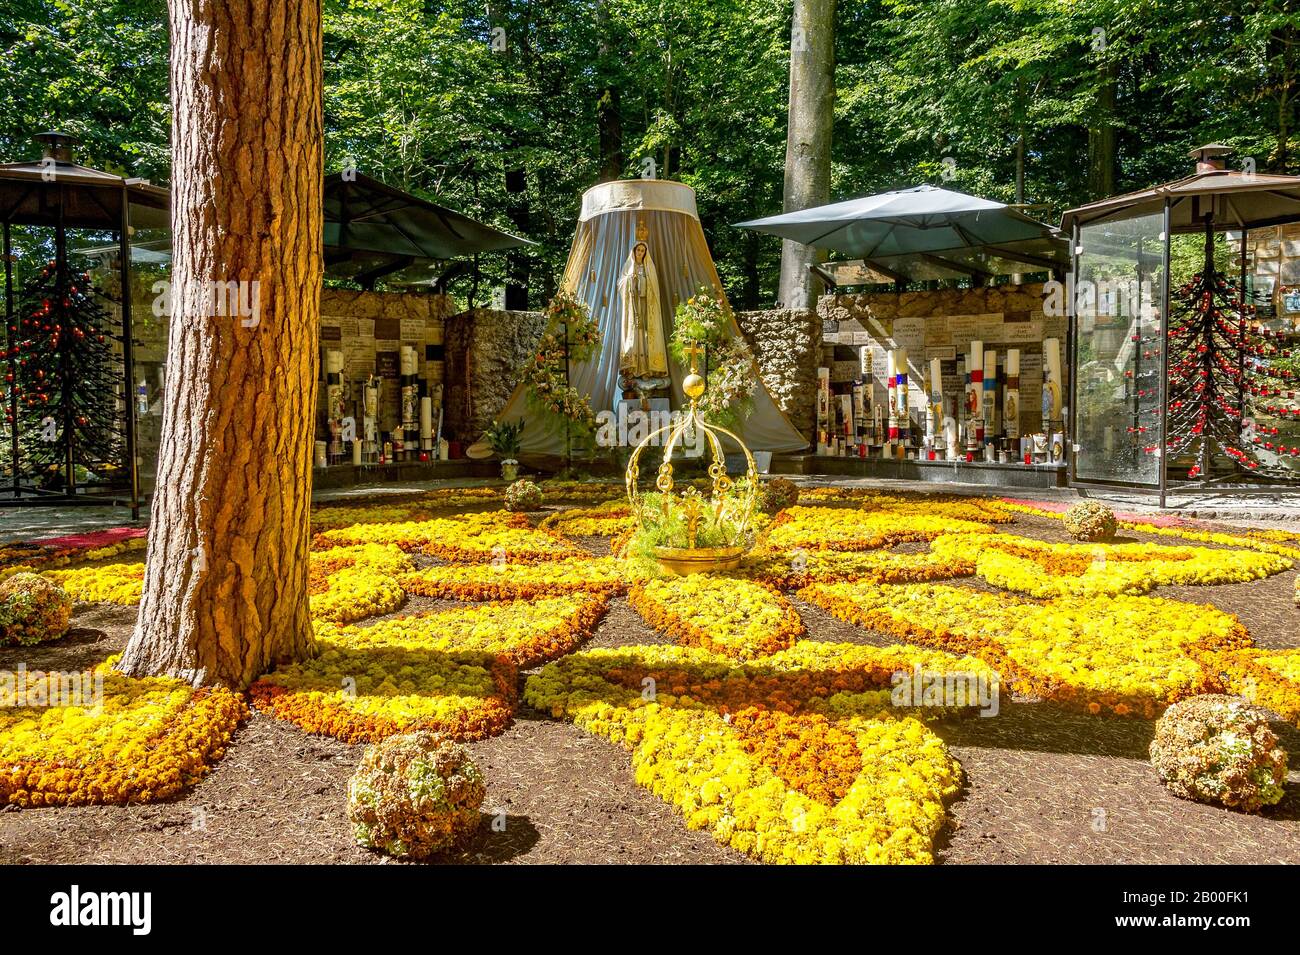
788, 345
1017, 302
486, 350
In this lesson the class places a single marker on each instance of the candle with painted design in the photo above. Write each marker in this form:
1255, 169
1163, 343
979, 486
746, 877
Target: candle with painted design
975, 395
1051, 381
936, 392
1011, 395
426, 423
334, 401
860, 419
891, 382
990, 415
900, 395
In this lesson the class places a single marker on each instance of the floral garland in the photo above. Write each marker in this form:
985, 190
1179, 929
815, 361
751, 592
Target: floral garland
794, 571
527, 633
731, 746
1268, 677
597, 575
1043, 569
603, 520
547, 385
1125, 655
120, 584
355, 593
1252, 540
386, 559
582, 492
396, 508
981, 510
148, 739
844, 529
737, 618
361, 696
702, 320
33, 558
495, 535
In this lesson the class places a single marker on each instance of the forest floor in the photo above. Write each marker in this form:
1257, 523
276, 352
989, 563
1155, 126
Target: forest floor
1043, 785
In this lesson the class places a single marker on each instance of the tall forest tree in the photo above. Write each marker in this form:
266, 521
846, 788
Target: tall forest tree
808, 139
609, 119
225, 590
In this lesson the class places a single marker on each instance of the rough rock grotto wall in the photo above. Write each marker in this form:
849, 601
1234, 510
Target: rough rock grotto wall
788, 345
485, 350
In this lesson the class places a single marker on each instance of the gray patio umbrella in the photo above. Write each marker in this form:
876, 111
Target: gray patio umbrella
916, 222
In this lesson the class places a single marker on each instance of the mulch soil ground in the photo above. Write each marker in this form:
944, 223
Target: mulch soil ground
1042, 785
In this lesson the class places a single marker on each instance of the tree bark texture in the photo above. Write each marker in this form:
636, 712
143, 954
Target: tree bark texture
225, 592
808, 139
1101, 138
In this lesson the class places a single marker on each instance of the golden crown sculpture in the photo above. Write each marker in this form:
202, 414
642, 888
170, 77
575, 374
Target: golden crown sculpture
699, 511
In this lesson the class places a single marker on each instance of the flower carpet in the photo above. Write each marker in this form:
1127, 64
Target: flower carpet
796, 709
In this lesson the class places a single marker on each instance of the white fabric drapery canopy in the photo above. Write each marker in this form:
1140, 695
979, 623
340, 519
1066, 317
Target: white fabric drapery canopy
607, 230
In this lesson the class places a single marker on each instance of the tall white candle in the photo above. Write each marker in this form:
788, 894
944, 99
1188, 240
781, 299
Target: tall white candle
900, 393
975, 364
426, 423
1052, 377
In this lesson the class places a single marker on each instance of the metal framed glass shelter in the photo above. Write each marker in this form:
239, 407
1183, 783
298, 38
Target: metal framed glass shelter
57, 193
1118, 296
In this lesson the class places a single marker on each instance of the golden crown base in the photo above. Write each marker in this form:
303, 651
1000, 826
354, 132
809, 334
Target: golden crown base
692, 559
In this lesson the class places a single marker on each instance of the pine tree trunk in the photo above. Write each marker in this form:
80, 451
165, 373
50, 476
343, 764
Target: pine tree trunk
225, 591
808, 139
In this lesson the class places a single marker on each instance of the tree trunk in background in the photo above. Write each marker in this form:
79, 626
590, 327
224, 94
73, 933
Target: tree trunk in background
518, 53
1282, 57
225, 590
517, 260
749, 288
1101, 138
808, 139
609, 120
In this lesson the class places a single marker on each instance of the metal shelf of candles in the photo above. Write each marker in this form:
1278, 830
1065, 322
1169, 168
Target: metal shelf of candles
978, 420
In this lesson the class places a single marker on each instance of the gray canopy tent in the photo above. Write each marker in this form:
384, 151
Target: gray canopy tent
374, 231
919, 234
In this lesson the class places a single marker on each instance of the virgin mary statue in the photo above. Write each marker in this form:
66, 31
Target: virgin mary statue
644, 352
